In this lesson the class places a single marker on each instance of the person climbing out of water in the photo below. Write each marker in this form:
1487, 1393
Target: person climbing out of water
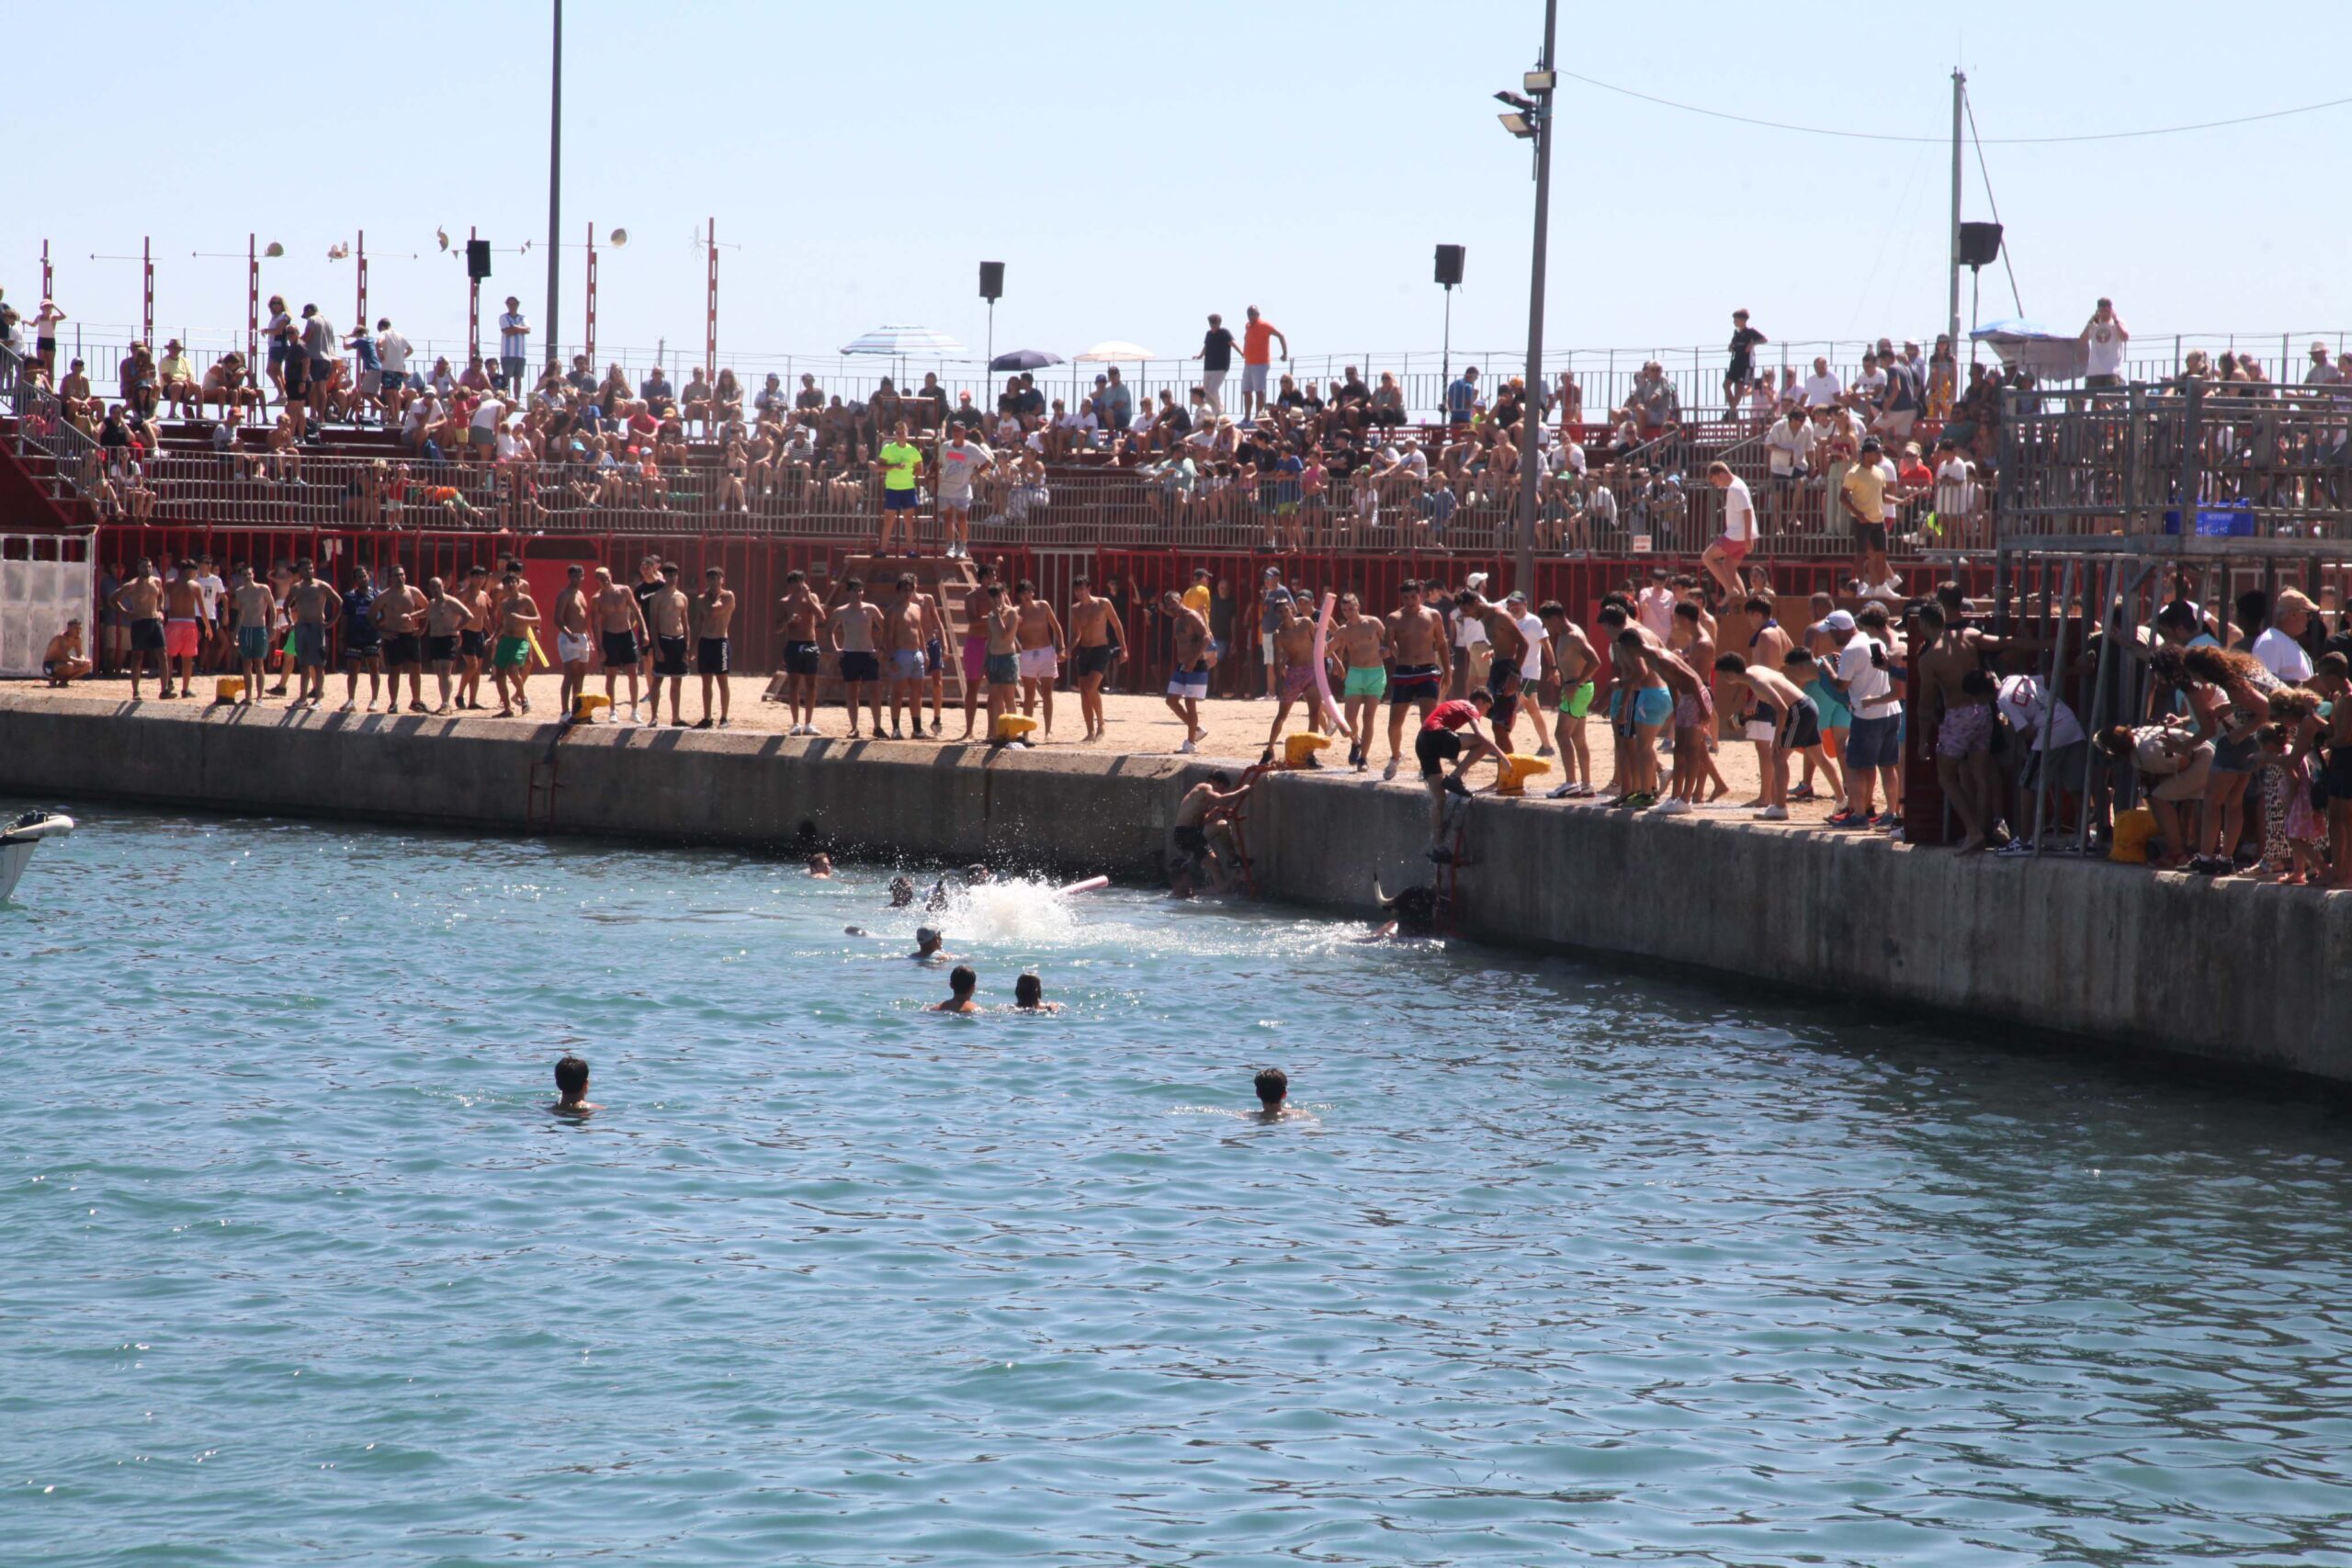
1029, 996
1197, 836
961, 983
571, 1088
1450, 734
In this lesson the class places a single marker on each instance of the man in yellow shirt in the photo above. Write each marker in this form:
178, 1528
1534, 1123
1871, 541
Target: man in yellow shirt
1864, 497
899, 462
177, 379
1196, 597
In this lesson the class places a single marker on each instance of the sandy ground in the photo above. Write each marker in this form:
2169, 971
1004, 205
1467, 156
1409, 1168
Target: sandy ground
1236, 730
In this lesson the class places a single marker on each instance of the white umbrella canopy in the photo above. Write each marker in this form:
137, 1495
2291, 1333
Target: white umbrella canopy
1114, 352
901, 341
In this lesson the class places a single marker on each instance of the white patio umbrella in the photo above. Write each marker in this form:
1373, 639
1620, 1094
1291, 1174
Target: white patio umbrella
1114, 352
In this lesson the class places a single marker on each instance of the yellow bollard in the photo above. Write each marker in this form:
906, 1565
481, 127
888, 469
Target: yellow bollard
1011, 726
1298, 751
1517, 769
229, 689
585, 705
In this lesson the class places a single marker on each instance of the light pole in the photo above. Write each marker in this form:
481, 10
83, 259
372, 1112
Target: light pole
555, 186
1530, 119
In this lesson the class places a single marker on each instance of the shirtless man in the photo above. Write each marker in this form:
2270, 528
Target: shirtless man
803, 613
1683, 686
446, 618
620, 627
1692, 640
571, 1090
1042, 641
1001, 627
1795, 721
573, 645
1639, 708
400, 615
254, 605
1958, 733
182, 627
1360, 645
1199, 833
1095, 635
961, 983
1294, 673
854, 631
139, 601
1768, 646
904, 633
518, 613
670, 614
975, 645
1417, 642
934, 656
1507, 657
313, 605
472, 591
62, 662
1572, 664
714, 615
1188, 682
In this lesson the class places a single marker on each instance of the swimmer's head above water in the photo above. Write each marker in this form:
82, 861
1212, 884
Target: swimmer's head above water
928, 942
902, 891
1272, 1085
571, 1086
820, 866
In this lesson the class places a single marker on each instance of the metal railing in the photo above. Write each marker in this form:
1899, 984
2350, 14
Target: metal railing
2250, 461
70, 454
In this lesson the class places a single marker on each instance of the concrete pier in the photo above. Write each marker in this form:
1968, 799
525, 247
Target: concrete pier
2233, 973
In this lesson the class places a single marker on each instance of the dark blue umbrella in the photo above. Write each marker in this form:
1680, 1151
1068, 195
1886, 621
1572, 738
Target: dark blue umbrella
1024, 359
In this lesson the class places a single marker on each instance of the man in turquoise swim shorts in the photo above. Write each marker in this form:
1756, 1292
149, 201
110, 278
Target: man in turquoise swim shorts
1636, 723
1360, 645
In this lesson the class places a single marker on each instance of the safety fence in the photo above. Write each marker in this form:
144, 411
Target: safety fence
2132, 460
1603, 379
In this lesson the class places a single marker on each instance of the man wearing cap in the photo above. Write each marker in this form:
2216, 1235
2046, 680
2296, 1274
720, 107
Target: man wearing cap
175, 376
1742, 367
1273, 609
513, 343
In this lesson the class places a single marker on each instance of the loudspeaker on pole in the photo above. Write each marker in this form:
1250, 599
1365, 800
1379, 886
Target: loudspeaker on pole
992, 281
1980, 245
476, 259
1449, 265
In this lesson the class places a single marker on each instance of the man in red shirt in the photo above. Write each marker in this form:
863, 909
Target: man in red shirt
1256, 360
1450, 734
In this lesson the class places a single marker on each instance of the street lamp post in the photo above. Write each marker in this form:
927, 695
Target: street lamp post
1530, 119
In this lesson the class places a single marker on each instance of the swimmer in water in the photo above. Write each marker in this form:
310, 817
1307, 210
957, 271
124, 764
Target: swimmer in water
938, 900
1274, 1093
961, 983
927, 947
902, 891
571, 1088
821, 868
1029, 996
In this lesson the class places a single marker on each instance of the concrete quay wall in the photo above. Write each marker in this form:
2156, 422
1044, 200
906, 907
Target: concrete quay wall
2233, 973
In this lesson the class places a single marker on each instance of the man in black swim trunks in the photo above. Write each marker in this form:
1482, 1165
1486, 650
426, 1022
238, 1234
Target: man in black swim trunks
400, 615
1450, 734
620, 625
1196, 837
803, 613
714, 614
1416, 633
670, 614
1095, 637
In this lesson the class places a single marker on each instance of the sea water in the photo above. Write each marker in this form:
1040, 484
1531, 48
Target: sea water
1559, 1262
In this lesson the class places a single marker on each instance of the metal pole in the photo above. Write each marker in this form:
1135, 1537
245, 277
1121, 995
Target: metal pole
555, 184
1959, 97
47, 278
253, 306
1445, 356
589, 346
359, 311
1532, 415
988, 366
147, 278
710, 306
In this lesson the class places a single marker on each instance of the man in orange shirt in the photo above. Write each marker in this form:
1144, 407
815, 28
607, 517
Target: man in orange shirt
1256, 360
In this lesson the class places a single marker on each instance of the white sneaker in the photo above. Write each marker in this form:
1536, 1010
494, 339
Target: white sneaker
1187, 750
1390, 771
1562, 792
1671, 808
1773, 814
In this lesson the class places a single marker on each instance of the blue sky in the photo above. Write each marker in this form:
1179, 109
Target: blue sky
1138, 166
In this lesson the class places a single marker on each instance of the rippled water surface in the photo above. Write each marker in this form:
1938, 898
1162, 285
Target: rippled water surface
1563, 1266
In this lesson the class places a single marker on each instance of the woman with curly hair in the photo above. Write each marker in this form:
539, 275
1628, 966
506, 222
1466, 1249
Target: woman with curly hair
2229, 694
